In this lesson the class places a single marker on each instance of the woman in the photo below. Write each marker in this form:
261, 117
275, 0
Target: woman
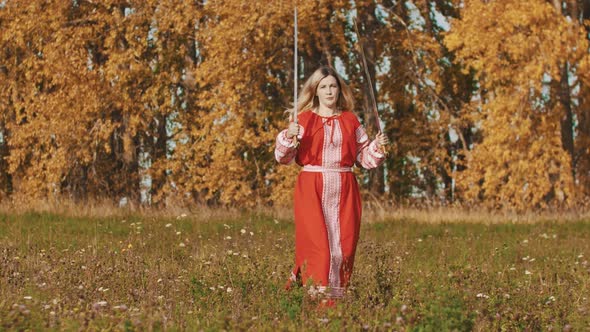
327, 142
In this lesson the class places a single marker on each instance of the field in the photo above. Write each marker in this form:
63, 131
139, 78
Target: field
142, 272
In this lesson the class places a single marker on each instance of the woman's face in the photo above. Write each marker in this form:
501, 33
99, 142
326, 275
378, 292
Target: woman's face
328, 91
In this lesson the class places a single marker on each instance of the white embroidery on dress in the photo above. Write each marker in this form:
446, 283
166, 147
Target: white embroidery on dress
332, 187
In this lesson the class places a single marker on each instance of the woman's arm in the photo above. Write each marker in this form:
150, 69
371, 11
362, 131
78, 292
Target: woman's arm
368, 153
286, 145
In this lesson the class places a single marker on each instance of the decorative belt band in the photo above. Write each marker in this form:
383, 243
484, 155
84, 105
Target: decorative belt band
314, 168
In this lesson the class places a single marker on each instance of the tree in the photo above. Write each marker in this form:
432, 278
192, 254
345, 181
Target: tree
513, 46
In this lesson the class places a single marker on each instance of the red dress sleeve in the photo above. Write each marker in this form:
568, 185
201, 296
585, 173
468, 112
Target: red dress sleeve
367, 152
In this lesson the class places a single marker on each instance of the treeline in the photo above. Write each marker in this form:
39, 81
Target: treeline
169, 101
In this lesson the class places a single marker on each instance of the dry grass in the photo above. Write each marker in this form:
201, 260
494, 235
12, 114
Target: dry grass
372, 212
442, 215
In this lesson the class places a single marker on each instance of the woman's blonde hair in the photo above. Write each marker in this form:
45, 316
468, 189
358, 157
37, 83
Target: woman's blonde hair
308, 100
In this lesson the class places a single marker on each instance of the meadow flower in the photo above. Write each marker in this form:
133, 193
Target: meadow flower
229, 290
482, 295
99, 304
177, 233
228, 237
121, 307
182, 245
527, 272
168, 225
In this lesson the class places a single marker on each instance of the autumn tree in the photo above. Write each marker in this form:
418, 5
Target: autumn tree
516, 47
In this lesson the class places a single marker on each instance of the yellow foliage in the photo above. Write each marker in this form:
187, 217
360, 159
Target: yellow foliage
514, 46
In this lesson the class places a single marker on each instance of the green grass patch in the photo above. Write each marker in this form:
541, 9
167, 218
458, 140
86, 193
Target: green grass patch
141, 273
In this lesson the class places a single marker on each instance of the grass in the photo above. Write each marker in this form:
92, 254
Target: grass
141, 272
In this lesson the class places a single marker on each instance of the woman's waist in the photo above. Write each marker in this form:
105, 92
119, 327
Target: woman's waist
325, 169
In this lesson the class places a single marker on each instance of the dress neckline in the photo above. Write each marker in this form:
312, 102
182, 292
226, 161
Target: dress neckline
333, 116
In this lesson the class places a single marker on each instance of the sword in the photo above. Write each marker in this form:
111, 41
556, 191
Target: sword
295, 72
373, 99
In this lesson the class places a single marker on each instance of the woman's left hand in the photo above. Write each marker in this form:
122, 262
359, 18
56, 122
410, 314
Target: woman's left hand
382, 140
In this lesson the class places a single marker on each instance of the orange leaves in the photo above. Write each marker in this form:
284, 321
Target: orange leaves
515, 47
97, 96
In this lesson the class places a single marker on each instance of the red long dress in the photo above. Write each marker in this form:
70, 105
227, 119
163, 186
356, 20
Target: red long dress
327, 201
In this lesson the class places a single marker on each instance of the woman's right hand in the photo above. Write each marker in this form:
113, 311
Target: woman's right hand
293, 130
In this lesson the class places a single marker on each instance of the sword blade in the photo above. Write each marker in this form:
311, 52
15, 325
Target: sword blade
368, 76
295, 72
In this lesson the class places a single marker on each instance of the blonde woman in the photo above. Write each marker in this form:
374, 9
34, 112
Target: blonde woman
327, 141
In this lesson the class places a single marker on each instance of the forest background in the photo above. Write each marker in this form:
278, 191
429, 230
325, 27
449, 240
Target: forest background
164, 102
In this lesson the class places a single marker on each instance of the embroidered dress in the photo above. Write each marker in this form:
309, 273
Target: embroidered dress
327, 201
